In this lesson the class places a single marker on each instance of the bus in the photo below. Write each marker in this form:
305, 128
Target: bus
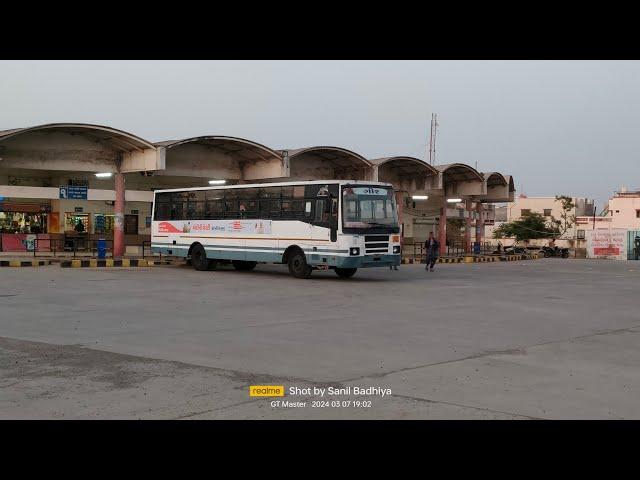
340, 225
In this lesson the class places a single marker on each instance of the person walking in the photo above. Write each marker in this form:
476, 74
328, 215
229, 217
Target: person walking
432, 248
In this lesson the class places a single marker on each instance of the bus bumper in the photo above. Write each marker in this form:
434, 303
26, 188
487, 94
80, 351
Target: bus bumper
368, 261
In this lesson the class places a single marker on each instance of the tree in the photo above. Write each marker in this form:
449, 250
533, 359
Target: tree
531, 225
567, 220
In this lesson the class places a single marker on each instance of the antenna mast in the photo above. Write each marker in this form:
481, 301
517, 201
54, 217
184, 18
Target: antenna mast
432, 138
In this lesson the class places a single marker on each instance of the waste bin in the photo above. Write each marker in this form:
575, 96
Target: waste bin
476, 248
102, 248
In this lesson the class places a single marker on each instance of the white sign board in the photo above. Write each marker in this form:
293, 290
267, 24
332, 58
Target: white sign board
607, 243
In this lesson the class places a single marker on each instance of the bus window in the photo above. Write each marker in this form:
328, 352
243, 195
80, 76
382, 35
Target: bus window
163, 206
270, 192
232, 208
269, 208
321, 215
287, 192
214, 209
333, 219
195, 205
251, 209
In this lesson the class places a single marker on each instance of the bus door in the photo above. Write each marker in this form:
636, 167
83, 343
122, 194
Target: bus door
325, 220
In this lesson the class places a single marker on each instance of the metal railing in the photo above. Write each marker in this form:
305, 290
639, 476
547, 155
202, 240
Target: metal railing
76, 246
72, 245
147, 243
416, 250
47, 247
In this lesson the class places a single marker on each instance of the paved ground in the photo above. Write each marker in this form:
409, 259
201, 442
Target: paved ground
548, 338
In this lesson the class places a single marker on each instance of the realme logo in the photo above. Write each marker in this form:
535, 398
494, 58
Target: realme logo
266, 391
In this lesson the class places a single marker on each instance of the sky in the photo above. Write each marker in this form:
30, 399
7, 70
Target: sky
559, 127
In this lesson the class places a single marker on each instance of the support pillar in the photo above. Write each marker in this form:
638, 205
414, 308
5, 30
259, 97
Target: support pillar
479, 224
442, 226
118, 231
467, 227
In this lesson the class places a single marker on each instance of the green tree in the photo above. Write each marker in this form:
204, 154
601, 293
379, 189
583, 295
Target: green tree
531, 225
567, 220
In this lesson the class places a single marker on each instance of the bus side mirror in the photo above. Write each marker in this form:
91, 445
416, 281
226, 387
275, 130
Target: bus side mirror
334, 234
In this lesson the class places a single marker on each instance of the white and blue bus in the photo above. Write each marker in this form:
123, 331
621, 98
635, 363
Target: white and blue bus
341, 225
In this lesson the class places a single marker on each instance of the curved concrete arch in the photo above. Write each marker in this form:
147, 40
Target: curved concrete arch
460, 172
494, 179
405, 173
78, 147
232, 145
405, 161
220, 156
121, 140
327, 162
497, 188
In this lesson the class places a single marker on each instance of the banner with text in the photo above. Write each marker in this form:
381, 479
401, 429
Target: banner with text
213, 226
609, 243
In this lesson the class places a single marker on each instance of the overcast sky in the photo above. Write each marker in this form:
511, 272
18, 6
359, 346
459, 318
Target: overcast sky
559, 127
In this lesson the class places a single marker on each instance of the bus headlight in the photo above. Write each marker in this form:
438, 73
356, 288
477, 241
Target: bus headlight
396, 249
354, 251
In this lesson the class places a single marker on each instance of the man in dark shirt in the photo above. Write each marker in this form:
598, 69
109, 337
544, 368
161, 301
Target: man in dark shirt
432, 247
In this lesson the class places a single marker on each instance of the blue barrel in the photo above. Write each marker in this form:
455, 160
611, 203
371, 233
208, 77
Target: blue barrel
476, 248
102, 248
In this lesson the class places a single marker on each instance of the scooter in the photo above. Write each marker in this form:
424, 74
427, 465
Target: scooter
555, 252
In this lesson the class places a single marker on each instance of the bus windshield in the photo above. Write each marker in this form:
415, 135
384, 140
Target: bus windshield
369, 207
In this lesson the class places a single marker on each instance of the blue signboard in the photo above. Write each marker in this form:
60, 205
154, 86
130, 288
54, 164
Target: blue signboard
72, 192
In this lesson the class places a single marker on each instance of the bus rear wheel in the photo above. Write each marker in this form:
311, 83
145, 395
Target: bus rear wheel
298, 266
346, 272
199, 258
243, 266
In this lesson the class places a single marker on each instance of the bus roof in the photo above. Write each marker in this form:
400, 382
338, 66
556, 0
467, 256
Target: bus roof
279, 184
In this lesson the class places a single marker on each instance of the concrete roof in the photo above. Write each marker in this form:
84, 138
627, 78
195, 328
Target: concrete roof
459, 172
337, 155
405, 164
241, 147
118, 139
495, 178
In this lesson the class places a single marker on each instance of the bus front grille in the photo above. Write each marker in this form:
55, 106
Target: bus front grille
376, 243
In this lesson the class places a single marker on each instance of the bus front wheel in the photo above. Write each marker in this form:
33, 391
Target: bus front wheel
346, 272
243, 266
298, 266
199, 258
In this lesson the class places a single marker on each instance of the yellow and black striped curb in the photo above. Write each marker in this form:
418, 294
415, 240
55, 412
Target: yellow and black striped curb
471, 259
24, 263
125, 262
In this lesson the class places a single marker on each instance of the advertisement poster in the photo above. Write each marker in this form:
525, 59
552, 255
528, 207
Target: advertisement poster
607, 243
254, 226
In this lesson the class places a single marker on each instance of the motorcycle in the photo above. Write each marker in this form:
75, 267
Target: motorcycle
510, 251
555, 252
515, 250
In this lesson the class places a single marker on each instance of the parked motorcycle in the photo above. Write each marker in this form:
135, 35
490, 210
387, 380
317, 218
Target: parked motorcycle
515, 250
510, 251
555, 252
